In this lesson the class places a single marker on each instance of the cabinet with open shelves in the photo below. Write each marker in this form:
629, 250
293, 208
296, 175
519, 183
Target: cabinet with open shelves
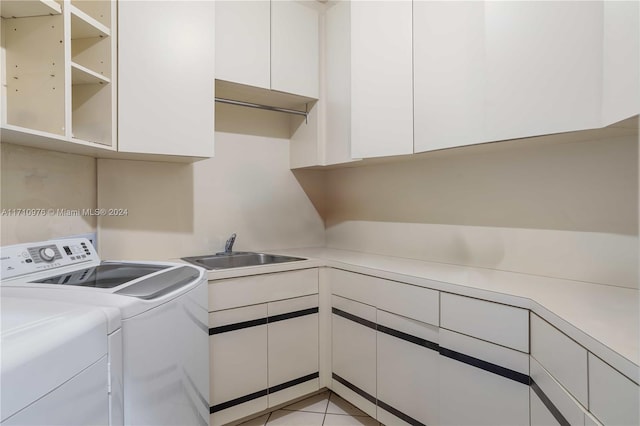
58, 88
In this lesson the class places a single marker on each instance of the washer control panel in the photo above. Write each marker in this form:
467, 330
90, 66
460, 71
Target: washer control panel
29, 258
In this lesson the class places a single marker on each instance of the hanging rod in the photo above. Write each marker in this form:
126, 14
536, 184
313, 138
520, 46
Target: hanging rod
305, 114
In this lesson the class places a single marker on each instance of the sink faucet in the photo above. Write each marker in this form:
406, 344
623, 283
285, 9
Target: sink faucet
228, 246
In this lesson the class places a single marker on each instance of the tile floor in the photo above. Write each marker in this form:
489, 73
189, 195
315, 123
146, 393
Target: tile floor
325, 408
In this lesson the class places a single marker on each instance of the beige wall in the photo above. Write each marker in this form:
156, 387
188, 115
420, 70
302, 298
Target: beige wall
566, 210
40, 179
179, 210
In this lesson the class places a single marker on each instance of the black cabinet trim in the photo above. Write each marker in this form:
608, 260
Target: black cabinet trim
550, 405
354, 318
354, 388
261, 393
487, 366
409, 338
261, 321
377, 402
289, 315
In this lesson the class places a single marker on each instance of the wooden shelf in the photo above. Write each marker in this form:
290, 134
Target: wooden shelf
83, 75
84, 26
27, 8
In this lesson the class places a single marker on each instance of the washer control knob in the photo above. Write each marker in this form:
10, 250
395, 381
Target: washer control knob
47, 254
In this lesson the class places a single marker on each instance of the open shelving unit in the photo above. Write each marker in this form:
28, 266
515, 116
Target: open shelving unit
59, 62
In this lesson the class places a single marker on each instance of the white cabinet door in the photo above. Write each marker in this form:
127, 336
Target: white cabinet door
449, 74
238, 357
613, 398
381, 78
482, 383
295, 46
354, 353
544, 67
563, 358
551, 404
293, 348
337, 95
407, 373
166, 77
243, 42
621, 61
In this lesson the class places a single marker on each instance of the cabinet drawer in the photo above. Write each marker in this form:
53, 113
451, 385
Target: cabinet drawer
494, 322
613, 398
244, 291
408, 300
563, 358
353, 286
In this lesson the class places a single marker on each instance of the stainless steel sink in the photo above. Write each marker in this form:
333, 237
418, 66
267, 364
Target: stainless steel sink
238, 260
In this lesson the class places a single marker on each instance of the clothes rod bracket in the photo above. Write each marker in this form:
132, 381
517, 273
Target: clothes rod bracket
304, 113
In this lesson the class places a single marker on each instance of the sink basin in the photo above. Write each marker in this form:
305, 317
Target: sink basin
238, 260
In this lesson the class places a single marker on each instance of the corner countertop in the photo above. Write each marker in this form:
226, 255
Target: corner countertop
604, 319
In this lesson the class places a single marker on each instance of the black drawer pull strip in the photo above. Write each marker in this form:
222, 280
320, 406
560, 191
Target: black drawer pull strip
399, 414
354, 388
294, 382
550, 406
409, 338
487, 366
289, 315
261, 321
264, 392
373, 400
237, 326
237, 401
354, 318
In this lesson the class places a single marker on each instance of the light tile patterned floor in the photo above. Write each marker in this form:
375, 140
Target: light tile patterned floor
323, 409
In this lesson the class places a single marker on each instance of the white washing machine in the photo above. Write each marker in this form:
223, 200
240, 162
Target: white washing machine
54, 363
164, 317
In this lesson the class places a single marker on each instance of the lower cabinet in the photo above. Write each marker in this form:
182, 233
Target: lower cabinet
238, 357
263, 354
482, 383
354, 353
550, 403
292, 348
408, 371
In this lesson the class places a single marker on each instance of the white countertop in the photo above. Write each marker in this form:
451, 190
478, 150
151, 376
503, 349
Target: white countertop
603, 319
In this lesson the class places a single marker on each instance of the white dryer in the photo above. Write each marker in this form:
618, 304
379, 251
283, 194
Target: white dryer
164, 315
54, 363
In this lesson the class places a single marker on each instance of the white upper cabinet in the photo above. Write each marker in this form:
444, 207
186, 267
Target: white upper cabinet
449, 74
490, 71
270, 45
294, 48
166, 77
59, 75
621, 58
381, 78
242, 45
543, 67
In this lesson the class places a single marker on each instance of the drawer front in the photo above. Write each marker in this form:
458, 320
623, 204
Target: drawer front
244, 291
361, 288
613, 398
563, 358
409, 301
494, 322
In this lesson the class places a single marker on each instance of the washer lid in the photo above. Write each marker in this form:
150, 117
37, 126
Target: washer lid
161, 284
105, 275
44, 344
